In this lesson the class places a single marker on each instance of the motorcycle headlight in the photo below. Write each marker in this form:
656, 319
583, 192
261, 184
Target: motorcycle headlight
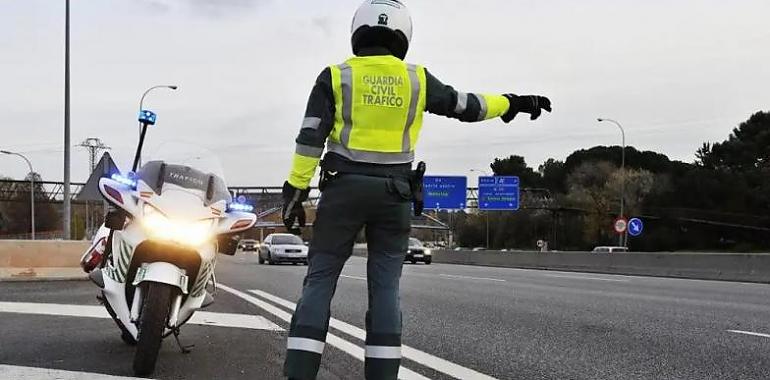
159, 226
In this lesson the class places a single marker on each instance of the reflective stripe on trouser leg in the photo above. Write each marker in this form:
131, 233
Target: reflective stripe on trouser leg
383, 352
305, 344
383, 355
304, 348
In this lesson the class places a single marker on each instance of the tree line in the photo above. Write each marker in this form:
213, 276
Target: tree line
721, 201
15, 216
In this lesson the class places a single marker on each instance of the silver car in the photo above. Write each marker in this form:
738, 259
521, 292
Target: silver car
283, 248
610, 250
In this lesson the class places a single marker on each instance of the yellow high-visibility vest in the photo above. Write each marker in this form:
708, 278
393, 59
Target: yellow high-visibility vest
379, 107
379, 102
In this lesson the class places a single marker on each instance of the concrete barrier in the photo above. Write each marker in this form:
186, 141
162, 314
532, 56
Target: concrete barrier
704, 266
41, 259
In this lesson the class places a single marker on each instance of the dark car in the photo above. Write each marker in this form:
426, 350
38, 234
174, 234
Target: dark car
418, 252
248, 245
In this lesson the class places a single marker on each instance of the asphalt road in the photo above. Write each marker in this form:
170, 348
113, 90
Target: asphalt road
459, 322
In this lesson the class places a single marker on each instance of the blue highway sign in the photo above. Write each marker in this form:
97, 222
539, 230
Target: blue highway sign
635, 227
499, 193
445, 193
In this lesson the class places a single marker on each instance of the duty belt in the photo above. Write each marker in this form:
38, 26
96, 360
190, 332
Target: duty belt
332, 166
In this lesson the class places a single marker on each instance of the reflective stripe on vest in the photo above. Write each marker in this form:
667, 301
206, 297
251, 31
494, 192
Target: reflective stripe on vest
379, 104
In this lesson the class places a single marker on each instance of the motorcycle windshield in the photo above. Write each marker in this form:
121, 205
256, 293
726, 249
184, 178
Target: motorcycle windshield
187, 166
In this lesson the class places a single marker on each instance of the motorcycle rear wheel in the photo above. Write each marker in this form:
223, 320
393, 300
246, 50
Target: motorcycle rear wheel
156, 307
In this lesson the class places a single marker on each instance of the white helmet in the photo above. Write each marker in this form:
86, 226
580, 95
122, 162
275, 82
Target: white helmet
388, 14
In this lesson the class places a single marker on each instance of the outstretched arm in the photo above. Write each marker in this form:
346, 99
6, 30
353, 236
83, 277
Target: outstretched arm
471, 107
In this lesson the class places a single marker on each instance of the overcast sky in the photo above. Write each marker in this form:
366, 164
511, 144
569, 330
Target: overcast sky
675, 73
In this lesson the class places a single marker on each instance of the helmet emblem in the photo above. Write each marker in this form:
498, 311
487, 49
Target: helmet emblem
383, 20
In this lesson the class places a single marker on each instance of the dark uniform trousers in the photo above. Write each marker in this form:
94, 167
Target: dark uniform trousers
350, 203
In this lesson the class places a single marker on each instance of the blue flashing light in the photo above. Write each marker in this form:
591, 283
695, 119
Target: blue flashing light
124, 180
240, 207
147, 117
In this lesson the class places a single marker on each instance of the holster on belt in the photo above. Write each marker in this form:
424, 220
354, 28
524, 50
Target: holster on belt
415, 182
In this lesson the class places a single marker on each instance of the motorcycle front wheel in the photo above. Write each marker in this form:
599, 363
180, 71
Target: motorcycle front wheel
156, 306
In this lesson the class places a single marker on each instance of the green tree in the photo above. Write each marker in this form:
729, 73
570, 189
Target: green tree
747, 147
588, 189
553, 175
516, 166
639, 183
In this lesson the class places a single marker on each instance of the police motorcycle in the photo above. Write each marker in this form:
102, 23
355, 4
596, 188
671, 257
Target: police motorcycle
154, 257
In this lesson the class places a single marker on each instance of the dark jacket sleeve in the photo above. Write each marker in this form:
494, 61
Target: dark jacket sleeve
319, 114
468, 107
316, 128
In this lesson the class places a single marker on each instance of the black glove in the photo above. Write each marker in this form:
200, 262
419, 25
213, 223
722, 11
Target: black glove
292, 208
531, 104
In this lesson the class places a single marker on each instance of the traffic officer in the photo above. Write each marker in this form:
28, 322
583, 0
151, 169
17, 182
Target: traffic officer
367, 113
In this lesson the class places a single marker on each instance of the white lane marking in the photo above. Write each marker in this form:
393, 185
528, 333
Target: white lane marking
32, 373
354, 277
331, 339
750, 333
586, 278
244, 321
424, 358
472, 278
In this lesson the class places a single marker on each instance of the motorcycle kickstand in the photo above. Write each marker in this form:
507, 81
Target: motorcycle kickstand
185, 349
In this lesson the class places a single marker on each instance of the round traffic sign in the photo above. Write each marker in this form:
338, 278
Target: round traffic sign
635, 227
620, 225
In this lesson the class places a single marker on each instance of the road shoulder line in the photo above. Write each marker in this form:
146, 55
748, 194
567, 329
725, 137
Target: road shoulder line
751, 333
202, 318
35, 373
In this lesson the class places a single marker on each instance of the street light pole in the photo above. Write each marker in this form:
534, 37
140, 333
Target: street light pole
31, 189
67, 202
141, 101
622, 172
